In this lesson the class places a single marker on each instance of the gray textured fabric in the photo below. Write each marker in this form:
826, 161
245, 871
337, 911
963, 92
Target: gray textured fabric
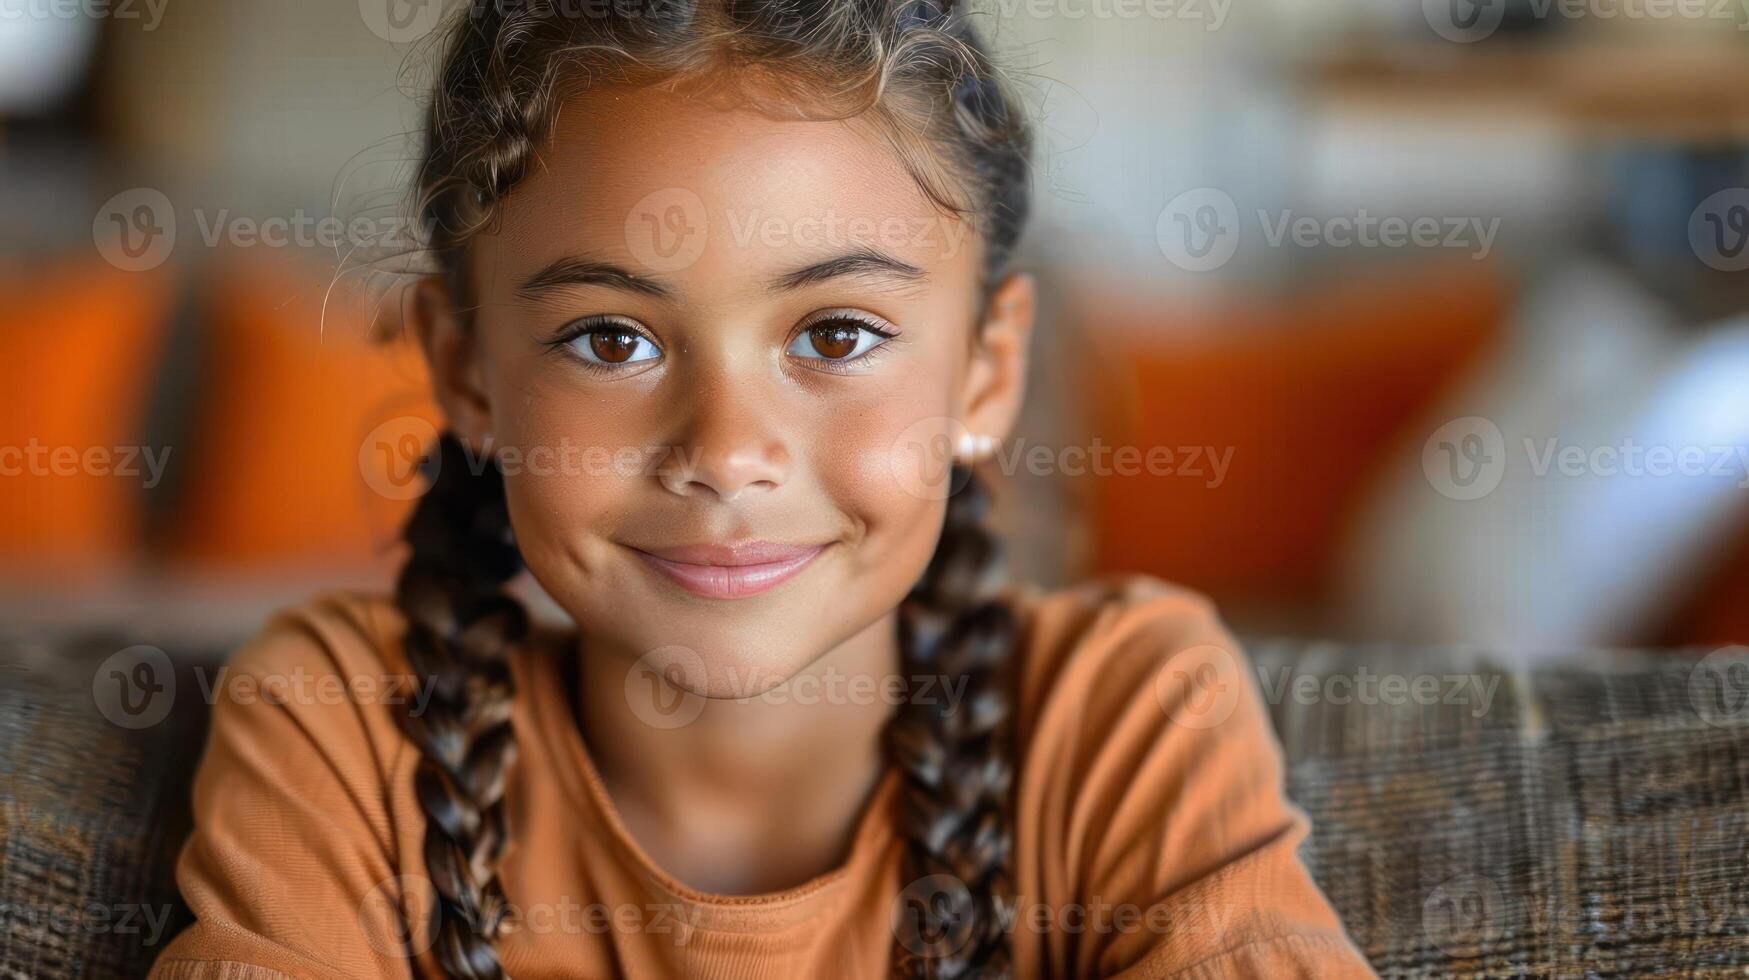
92, 815
1586, 818
1589, 819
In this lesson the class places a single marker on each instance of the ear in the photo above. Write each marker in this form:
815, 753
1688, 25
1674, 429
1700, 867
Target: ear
996, 376
452, 355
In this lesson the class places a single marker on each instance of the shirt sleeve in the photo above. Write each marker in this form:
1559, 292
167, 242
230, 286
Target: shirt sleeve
290, 870
1163, 844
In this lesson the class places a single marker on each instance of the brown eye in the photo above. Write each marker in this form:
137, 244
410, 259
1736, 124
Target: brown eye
834, 340
839, 338
614, 346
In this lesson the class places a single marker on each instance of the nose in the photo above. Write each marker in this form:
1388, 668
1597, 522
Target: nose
729, 446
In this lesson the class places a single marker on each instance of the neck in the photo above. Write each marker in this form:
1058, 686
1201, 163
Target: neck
754, 794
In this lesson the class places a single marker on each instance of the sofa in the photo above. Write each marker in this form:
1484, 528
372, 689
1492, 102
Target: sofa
1582, 816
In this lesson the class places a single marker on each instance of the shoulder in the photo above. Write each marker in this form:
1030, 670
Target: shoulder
323, 679
1104, 603
1150, 775
340, 632
1105, 642
1131, 687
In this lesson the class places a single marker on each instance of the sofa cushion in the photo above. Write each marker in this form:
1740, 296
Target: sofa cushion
92, 812
1588, 817
1469, 817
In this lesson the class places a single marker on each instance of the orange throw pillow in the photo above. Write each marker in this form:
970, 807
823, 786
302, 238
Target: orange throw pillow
308, 432
79, 346
1303, 399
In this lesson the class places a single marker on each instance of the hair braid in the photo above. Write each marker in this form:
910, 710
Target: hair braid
957, 760
460, 628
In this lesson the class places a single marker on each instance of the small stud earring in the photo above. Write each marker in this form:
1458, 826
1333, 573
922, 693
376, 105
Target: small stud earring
975, 446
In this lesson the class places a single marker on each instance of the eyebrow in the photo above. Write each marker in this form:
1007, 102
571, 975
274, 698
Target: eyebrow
575, 271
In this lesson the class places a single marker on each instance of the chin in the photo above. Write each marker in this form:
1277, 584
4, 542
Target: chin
730, 654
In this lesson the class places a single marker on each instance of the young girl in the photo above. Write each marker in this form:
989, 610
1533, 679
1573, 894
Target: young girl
717, 278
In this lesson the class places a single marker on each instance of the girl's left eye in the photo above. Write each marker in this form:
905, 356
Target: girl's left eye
840, 339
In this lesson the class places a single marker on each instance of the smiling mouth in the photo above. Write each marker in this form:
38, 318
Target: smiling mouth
730, 571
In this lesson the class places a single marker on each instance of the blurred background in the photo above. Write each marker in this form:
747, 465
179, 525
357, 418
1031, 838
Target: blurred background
1373, 319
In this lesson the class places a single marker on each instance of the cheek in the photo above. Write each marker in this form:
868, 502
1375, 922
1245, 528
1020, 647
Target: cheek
884, 467
574, 462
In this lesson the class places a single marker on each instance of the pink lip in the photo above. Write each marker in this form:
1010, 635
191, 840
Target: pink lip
717, 571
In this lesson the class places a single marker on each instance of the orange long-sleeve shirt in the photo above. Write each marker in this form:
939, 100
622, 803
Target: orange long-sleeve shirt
1152, 838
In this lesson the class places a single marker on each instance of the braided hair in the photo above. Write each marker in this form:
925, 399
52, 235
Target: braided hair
507, 66
461, 626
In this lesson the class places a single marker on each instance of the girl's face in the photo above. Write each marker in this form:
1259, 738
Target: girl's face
723, 361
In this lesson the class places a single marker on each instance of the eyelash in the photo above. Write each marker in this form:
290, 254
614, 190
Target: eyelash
863, 321
564, 342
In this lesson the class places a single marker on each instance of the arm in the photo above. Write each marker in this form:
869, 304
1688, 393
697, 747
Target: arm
291, 869
1164, 805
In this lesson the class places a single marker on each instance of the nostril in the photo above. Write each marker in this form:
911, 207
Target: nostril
724, 474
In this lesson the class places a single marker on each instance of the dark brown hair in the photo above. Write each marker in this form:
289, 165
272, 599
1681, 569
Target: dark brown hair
917, 70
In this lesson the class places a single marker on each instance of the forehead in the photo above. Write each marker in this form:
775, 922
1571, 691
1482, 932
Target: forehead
670, 186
